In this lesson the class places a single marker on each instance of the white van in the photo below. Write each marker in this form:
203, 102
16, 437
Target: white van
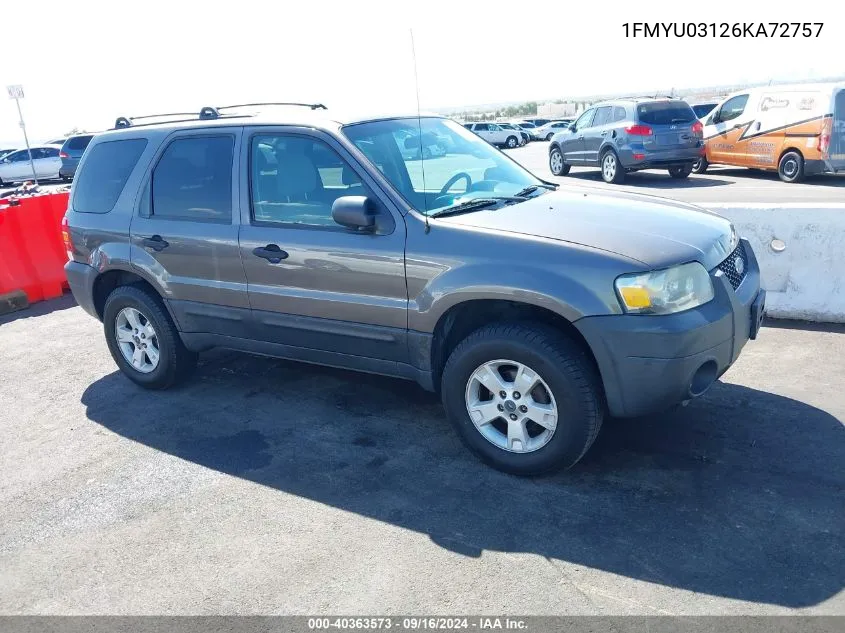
796, 129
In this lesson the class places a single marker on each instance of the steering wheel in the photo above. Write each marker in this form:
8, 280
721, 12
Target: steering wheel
461, 175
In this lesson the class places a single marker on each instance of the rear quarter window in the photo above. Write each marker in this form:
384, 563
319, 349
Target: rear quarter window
665, 113
104, 173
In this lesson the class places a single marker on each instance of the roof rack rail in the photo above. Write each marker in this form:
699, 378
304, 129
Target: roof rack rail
206, 113
642, 97
313, 106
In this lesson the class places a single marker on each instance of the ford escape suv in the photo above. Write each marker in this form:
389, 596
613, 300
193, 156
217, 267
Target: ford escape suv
627, 135
284, 231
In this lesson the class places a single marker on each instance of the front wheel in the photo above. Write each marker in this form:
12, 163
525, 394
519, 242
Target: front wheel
680, 171
143, 340
611, 171
556, 164
791, 167
523, 397
549, 136
511, 142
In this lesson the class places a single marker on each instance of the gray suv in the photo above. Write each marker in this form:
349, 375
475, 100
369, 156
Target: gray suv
286, 232
628, 135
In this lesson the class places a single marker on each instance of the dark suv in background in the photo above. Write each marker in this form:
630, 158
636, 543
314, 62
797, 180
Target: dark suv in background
629, 135
71, 152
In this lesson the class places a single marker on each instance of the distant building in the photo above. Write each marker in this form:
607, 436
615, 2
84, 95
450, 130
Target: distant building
556, 110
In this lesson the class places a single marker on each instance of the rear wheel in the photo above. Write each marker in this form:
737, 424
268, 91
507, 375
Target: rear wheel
680, 171
556, 164
791, 167
611, 171
143, 340
523, 397
700, 166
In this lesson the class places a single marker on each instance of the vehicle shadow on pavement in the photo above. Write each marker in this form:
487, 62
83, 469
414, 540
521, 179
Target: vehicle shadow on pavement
738, 495
830, 180
655, 180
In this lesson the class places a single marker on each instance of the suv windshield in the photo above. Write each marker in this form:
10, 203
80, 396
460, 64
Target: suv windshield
445, 166
665, 112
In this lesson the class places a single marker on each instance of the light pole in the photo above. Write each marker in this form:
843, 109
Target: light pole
16, 93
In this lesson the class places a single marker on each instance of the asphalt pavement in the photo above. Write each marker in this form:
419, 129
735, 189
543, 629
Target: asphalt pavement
717, 185
269, 487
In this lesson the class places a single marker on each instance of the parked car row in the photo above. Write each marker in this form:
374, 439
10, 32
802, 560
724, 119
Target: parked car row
795, 130
54, 160
512, 134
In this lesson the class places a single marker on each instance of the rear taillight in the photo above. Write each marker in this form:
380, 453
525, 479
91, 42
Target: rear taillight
824, 137
698, 128
66, 238
639, 130
63, 155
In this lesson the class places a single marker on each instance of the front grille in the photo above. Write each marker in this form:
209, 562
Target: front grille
730, 269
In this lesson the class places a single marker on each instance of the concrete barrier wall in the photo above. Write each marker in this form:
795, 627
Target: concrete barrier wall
801, 251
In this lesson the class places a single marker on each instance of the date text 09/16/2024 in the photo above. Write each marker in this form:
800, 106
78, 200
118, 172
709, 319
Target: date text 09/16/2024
723, 29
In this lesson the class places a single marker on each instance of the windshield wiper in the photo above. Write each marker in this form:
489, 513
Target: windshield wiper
474, 205
532, 188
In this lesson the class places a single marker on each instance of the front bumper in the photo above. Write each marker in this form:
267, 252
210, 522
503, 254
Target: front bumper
650, 363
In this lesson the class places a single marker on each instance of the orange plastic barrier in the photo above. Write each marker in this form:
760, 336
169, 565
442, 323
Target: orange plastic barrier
32, 254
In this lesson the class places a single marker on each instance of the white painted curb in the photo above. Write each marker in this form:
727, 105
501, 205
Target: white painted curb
806, 279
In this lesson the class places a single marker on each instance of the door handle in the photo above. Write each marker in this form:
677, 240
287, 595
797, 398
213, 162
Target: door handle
155, 242
604, 133
272, 253
581, 138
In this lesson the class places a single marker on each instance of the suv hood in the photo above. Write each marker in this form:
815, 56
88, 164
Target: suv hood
655, 231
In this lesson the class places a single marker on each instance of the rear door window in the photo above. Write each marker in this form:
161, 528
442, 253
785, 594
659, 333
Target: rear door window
105, 171
193, 180
665, 113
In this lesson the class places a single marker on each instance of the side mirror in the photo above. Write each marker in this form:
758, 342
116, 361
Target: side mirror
354, 212
571, 127
714, 118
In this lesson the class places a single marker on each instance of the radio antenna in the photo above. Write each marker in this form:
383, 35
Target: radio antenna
419, 128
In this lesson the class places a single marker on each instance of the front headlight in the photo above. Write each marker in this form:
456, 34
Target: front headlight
665, 291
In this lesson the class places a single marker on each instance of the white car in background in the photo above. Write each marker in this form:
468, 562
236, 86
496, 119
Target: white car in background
495, 134
15, 167
530, 128
523, 135
547, 131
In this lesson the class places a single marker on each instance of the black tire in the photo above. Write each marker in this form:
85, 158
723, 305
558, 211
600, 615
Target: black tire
791, 167
563, 169
512, 142
618, 174
549, 136
565, 368
700, 166
176, 362
680, 172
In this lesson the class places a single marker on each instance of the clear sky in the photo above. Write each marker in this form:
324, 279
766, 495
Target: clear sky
84, 62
